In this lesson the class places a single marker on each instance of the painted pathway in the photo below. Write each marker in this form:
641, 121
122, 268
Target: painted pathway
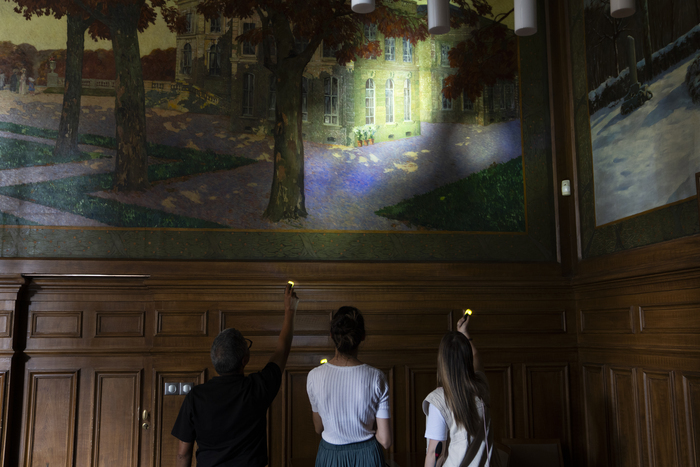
344, 185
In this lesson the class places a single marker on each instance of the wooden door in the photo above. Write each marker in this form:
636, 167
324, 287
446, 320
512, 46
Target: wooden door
85, 411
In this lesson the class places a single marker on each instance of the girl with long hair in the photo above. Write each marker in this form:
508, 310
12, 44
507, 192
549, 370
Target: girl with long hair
457, 411
347, 398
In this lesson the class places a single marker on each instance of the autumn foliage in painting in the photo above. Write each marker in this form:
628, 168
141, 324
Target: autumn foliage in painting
159, 65
488, 54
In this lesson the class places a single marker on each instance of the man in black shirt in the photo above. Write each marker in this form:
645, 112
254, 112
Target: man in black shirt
227, 414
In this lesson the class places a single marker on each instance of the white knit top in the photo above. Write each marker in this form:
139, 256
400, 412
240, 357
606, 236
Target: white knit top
348, 399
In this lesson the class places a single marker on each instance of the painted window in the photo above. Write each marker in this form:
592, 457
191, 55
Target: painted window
389, 49
489, 98
273, 46
407, 100
407, 51
329, 50
189, 17
446, 103
300, 44
304, 99
186, 63
467, 103
215, 25
389, 100
509, 95
215, 60
248, 94
272, 98
444, 55
330, 108
248, 48
370, 32
369, 102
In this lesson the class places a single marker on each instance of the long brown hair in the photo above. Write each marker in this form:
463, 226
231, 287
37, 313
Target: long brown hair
455, 371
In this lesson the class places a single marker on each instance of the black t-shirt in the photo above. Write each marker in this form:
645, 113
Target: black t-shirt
227, 417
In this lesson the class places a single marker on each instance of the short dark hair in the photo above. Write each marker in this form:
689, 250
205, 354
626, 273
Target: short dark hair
228, 351
347, 329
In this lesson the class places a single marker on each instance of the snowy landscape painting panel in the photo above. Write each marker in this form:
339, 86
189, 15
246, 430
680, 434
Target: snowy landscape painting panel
643, 119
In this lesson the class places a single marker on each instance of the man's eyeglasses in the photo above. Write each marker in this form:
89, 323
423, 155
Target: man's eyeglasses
250, 342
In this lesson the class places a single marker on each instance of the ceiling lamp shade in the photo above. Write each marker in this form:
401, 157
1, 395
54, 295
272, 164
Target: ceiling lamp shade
438, 16
362, 6
622, 8
526, 17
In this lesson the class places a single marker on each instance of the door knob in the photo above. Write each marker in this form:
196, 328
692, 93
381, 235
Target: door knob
144, 415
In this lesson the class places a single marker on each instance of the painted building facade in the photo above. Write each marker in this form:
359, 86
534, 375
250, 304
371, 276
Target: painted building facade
394, 92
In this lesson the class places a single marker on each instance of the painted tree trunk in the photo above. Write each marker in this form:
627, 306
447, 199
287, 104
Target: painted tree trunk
287, 200
131, 171
646, 41
67, 141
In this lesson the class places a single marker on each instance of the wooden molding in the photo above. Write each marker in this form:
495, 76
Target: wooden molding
56, 324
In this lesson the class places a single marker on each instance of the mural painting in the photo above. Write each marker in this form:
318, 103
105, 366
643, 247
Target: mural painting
379, 144
644, 103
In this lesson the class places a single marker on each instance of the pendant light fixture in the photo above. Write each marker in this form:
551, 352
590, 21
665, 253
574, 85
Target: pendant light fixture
438, 16
362, 6
526, 17
622, 8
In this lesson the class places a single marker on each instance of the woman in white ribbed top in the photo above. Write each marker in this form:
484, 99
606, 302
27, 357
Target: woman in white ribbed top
347, 398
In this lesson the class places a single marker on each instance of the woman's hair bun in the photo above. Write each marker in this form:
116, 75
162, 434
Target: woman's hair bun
347, 329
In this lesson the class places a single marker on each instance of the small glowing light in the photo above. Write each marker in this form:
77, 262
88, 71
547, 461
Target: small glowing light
291, 283
468, 312
324, 360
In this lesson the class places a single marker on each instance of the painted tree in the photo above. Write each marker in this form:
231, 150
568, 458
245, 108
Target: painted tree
121, 21
311, 22
486, 55
78, 22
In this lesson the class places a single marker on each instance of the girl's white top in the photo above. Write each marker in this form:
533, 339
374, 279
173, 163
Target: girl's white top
348, 399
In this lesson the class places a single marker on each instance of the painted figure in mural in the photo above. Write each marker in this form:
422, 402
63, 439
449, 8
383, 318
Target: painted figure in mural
2, 80
31, 86
14, 81
23, 89
347, 397
465, 419
227, 414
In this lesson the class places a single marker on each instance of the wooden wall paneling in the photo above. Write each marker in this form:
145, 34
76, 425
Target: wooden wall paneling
50, 418
120, 324
165, 411
56, 324
691, 416
301, 440
548, 403
663, 443
4, 405
181, 323
117, 421
608, 321
420, 381
672, 319
595, 416
626, 427
501, 407
6, 323
88, 313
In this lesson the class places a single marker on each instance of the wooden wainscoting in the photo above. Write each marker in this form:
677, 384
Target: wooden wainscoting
99, 353
639, 359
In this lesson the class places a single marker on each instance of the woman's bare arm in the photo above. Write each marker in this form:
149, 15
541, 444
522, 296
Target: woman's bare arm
384, 435
463, 327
